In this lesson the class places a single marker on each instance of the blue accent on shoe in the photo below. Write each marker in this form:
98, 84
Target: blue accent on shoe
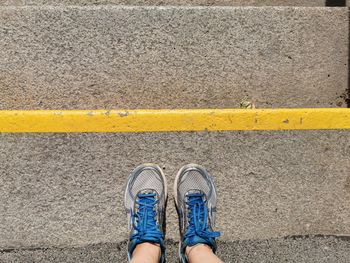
146, 228
198, 230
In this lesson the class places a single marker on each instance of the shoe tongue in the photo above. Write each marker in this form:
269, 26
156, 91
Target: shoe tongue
195, 194
198, 196
147, 191
147, 195
194, 191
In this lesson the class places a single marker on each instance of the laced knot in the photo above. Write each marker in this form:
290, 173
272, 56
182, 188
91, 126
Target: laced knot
198, 219
145, 220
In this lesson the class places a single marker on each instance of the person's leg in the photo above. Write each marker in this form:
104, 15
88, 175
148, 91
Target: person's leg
195, 198
201, 253
145, 201
146, 253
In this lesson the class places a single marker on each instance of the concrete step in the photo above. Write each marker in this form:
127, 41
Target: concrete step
289, 250
172, 57
66, 190
180, 2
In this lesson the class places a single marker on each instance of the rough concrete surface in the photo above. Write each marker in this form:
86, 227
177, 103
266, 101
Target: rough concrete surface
66, 189
170, 2
289, 250
172, 57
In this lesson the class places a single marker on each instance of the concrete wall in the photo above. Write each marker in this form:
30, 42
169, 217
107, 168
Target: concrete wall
170, 2
156, 57
67, 189
287, 250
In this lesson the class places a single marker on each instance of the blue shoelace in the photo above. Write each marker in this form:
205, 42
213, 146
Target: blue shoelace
144, 221
198, 217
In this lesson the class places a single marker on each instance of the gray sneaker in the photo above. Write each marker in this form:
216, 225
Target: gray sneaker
195, 198
145, 203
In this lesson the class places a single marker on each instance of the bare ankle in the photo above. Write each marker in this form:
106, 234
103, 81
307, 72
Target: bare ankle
147, 252
199, 248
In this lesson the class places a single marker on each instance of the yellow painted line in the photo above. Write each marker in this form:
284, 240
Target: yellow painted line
173, 120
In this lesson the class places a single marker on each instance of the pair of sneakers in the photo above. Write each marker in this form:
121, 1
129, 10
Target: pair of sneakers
195, 200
